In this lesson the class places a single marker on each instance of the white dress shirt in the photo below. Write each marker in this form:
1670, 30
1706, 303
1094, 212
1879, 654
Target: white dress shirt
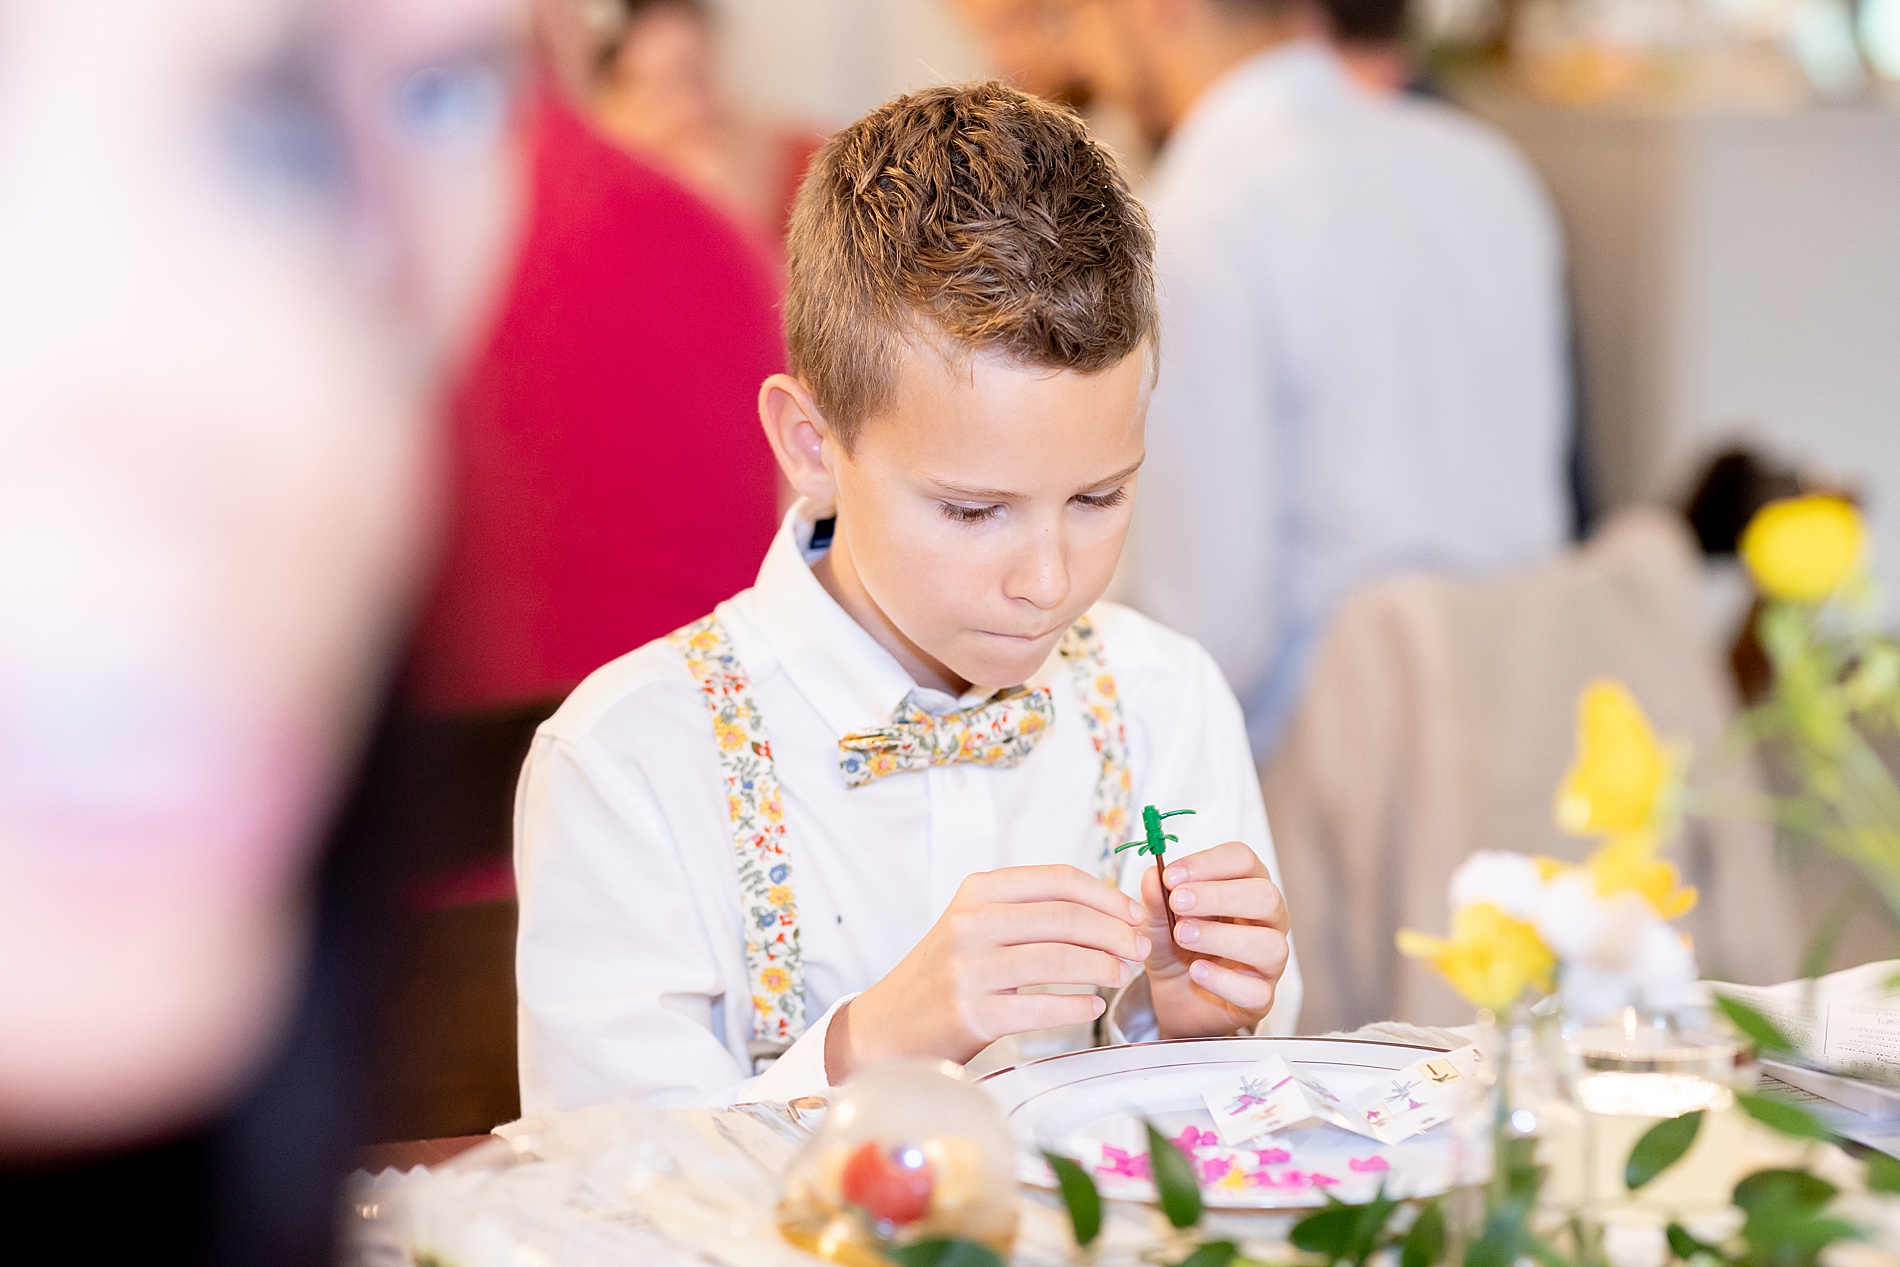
631, 967
1363, 363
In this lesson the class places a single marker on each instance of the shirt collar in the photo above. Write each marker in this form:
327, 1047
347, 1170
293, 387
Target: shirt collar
846, 674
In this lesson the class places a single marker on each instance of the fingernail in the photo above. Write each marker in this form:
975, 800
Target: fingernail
1101, 1005
1183, 899
1198, 970
1177, 874
1143, 947
1122, 973
1136, 912
1187, 934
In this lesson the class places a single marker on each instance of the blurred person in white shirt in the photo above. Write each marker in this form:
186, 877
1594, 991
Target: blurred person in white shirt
1363, 337
239, 240
1040, 47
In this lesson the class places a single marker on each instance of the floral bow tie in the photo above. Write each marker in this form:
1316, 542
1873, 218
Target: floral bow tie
1000, 732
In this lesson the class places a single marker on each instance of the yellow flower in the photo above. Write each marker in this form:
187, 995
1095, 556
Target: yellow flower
779, 895
730, 737
1628, 863
1802, 548
777, 980
1489, 957
1617, 781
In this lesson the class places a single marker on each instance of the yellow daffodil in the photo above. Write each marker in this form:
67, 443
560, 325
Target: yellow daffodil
1621, 770
1489, 958
1628, 863
1802, 548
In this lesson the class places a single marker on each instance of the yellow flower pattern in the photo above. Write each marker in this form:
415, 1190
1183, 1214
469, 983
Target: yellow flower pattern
756, 811
1001, 731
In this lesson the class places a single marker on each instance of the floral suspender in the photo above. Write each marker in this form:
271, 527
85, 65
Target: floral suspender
756, 811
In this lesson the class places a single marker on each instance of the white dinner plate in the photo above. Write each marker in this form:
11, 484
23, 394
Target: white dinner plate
1078, 1103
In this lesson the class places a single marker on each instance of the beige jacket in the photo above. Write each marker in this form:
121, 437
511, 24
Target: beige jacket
1438, 719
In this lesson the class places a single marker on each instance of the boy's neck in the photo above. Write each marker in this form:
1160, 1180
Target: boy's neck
839, 575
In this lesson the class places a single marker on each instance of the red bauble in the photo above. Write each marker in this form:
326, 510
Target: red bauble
885, 1188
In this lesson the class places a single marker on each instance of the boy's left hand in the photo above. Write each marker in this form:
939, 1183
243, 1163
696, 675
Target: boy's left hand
1219, 971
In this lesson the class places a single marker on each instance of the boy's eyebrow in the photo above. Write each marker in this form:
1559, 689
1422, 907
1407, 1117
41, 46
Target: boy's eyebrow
1004, 495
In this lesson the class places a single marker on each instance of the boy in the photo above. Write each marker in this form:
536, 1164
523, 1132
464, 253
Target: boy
861, 811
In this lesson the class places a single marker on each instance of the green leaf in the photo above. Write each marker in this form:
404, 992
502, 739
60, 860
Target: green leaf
1783, 1116
1504, 1235
1766, 1034
1180, 1196
1546, 1254
1661, 1147
1212, 1254
942, 1252
1080, 1196
1772, 1192
1883, 1173
1424, 1245
1685, 1246
1328, 1232
1827, 938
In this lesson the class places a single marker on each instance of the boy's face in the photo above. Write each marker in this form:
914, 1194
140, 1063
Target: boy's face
984, 510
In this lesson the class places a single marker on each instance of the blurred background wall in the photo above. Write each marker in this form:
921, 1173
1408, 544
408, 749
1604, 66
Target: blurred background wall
826, 62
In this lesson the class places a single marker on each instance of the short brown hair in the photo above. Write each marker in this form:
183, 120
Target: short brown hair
975, 216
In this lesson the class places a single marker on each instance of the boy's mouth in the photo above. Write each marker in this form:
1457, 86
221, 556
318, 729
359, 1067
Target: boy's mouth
1035, 637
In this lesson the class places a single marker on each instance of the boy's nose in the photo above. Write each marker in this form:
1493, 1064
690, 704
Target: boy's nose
1041, 576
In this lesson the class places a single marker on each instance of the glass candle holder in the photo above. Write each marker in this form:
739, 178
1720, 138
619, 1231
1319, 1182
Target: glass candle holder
909, 1151
1628, 1075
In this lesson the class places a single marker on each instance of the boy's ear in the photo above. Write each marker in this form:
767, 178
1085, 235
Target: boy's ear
797, 433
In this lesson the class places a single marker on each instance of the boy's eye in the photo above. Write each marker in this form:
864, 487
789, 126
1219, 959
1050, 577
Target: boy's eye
1113, 498
968, 514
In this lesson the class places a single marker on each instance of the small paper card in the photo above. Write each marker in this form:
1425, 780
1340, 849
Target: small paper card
1416, 1098
1265, 1098
1272, 1096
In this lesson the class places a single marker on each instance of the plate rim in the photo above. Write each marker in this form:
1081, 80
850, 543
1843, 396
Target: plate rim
1209, 1038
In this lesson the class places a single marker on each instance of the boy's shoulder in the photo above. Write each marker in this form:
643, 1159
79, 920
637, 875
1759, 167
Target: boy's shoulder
1148, 658
644, 692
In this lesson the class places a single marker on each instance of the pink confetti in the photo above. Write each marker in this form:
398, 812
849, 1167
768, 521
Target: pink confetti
1191, 1139
1126, 1165
1368, 1165
1272, 1156
1214, 1169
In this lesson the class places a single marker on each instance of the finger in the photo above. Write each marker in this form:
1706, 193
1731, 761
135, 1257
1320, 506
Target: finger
1230, 861
1020, 923
1050, 963
1000, 1015
1057, 883
1253, 945
1254, 897
1154, 925
1236, 987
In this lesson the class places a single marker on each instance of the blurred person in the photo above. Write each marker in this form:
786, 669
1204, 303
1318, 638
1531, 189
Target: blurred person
608, 484
239, 240
1370, 37
1363, 338
1040, 46
658, 90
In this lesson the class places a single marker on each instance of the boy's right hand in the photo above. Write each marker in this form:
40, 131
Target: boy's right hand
955, 992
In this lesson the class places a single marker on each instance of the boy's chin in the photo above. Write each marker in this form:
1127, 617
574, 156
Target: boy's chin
997, 661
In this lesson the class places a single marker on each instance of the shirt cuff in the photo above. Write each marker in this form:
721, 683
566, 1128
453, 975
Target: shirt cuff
1131, 1013
799, 1072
